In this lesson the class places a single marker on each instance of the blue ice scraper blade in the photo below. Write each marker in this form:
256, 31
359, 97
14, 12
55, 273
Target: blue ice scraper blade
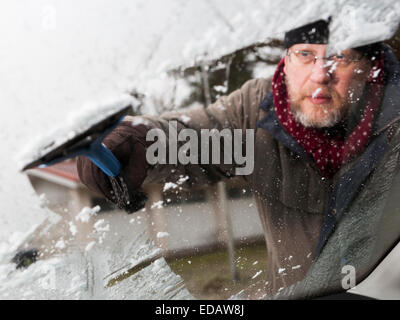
90, 144
97, 152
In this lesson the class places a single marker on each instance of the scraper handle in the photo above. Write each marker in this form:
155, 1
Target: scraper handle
102, 157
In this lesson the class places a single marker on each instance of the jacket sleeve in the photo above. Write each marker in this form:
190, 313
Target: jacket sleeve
235, 113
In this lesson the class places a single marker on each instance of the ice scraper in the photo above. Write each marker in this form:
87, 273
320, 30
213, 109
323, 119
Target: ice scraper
89, 143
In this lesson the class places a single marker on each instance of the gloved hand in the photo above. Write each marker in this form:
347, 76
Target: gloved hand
128, 144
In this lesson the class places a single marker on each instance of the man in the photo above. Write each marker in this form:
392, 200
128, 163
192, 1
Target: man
322, 128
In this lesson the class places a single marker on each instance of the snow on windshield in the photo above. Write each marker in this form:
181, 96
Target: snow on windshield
56, 56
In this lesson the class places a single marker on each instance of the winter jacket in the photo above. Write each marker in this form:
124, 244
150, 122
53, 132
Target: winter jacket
311, 223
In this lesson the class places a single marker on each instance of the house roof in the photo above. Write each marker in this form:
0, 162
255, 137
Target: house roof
66, 169
64, 173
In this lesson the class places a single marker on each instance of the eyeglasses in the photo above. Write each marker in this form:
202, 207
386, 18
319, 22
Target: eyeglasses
303, 57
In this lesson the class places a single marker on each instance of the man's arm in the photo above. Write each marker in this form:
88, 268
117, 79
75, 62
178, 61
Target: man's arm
230, 114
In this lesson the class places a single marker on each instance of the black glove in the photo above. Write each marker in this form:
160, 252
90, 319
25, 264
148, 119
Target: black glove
128, 144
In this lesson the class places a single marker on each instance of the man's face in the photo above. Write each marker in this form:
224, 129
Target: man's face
322, 93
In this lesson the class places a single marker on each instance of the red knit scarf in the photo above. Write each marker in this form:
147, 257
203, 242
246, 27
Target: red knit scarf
330, 151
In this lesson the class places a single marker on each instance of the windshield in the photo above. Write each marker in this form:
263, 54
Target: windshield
258, 160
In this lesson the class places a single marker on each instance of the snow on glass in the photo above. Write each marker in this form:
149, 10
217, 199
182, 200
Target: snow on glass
90, 114
86, 274
83, 273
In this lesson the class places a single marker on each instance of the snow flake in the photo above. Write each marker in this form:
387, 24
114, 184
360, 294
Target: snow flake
86, 213
376, 73
221, 89
162, 235
72, 228
315, 93
170, 185
184, 118
60, 244
139, 120
90, 246
101, 226
157, 205
182, 180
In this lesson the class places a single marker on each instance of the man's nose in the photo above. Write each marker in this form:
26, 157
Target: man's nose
321, 72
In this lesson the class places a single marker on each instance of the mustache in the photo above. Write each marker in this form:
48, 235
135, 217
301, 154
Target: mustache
319, 92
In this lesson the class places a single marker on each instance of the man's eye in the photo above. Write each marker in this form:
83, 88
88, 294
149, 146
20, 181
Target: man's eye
305, 54
339, 57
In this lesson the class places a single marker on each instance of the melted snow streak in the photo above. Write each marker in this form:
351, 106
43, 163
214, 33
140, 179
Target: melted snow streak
163, 284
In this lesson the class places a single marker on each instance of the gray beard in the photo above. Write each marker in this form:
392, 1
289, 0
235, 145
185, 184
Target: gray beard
334, 117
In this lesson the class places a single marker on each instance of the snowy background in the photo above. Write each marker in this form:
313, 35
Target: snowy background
56, 57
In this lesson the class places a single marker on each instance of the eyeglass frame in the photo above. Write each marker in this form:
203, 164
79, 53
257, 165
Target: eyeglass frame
288, 53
